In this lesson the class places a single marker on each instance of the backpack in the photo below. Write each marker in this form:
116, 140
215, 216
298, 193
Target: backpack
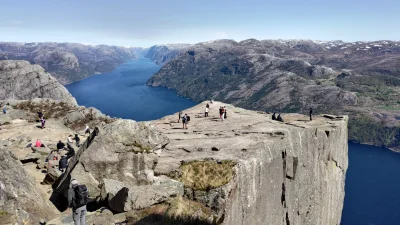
81, 196
188, 118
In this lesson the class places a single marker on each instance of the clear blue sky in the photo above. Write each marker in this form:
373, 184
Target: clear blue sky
149, 22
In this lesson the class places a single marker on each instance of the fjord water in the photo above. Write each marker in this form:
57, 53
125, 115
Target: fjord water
372, 183
123, 93
372, 187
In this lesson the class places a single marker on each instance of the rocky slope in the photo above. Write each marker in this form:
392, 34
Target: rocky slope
68, 62
247, 169
291, 76
21, 80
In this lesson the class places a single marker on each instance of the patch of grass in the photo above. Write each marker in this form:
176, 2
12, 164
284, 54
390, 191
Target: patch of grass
206, 175
177, 210
139, 148
3, 213
51, 109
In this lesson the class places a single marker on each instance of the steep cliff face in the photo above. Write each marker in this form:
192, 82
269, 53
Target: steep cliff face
20, 80
285, 173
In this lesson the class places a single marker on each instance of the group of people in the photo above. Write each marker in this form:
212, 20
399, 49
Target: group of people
222, 112
277, 118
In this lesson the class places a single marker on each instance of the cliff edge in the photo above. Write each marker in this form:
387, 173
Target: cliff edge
284, 173
19, 80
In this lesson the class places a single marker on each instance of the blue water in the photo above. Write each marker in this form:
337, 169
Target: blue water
123, 93
372, 187
372, 183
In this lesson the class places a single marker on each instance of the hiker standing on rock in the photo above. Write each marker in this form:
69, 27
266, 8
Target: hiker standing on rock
206, 111
43, 121
78, 197
185, 121
179, 116
310, 114
223, 113
220, 111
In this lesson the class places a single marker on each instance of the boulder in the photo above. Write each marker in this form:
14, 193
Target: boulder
52, 175
125, 198
31, 157
21, 80
123, 152
20, 200
109, 188
141, 197
5, 119
41, 150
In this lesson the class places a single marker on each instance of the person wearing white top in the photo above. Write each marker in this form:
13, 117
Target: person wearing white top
206, 112
87, 129
69, 139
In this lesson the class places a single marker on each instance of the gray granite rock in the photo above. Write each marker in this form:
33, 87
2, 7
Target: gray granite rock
20, 200
21, 80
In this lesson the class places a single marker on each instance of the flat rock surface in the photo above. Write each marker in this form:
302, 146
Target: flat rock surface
232, 138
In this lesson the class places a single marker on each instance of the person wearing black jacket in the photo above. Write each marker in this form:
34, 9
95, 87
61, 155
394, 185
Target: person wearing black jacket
280, 119
77, 140
310, 114
274, 116
62, 165
71, 151
60, 145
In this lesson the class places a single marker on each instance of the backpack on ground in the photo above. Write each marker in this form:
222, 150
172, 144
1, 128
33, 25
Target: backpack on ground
188, 118
81, 195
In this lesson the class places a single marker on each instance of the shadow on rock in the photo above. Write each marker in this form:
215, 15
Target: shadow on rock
156, 219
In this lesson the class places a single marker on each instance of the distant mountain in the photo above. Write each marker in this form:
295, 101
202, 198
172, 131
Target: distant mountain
68, 62
161, 54
360, 78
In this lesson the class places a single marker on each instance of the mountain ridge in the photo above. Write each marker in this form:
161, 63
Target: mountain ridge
356, 78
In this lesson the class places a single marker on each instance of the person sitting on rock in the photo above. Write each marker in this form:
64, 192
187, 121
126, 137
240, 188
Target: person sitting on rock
60, 145
38, 144
62, 165
70, 140
274, 116
87, 129
78, 197
280, 119
77, 140
71, 152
